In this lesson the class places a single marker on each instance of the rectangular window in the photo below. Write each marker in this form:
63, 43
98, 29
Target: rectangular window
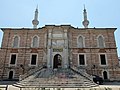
13, 59
33, 59
81, 60
103, 59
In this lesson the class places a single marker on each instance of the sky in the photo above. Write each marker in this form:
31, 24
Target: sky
101, 13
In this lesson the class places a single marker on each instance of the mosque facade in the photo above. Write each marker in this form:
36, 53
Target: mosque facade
90, 50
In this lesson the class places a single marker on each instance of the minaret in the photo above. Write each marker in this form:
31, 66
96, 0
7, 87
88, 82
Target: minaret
35, 22
85, 22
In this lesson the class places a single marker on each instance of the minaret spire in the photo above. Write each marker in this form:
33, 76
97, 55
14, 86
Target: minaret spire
35, 22
85, 22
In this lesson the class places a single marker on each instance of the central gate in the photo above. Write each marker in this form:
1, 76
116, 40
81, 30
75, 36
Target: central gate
57, 62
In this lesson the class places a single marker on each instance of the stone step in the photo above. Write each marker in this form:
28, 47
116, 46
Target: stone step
53, 78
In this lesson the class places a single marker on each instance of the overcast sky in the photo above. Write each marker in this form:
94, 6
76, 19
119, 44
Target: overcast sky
101, 13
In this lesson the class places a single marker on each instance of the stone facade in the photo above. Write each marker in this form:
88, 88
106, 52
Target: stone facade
92, 50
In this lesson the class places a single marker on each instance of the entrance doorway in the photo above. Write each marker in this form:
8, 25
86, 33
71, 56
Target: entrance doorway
57, 62
10, 75
105, 75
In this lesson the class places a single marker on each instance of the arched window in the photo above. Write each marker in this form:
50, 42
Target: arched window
101, 42
105, 75
35, 42
10, 75
80, 42
16, 42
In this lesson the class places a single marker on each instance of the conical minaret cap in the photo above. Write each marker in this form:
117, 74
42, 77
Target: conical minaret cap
85, 22
35, 22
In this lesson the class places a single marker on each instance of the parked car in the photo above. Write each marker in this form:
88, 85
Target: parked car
98, 79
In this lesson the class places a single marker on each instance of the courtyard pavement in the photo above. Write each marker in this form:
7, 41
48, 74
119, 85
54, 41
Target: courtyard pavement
106, 86
101, 87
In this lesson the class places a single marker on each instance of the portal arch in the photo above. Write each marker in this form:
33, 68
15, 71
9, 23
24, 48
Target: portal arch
57, 61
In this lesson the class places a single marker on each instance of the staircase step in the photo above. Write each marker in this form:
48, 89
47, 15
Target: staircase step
45, 77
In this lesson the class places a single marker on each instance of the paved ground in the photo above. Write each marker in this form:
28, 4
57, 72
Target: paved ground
111, 83
101, 87
106, 86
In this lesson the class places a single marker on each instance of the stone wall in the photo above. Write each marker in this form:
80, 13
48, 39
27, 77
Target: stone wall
90, 50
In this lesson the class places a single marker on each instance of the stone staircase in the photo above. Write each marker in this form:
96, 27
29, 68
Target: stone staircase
30, 72
66, 78
82, 72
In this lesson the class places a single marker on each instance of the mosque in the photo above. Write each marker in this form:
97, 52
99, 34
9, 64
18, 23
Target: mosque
58, 55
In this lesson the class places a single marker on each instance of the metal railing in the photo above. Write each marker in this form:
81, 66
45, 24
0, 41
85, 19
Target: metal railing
30, 72
82, 72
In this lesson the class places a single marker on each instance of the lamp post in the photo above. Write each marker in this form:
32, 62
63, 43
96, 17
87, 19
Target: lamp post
94, 66
22, 68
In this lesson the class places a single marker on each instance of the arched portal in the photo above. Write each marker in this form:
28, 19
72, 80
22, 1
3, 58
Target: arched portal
10, 75
57, 62
105, 75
